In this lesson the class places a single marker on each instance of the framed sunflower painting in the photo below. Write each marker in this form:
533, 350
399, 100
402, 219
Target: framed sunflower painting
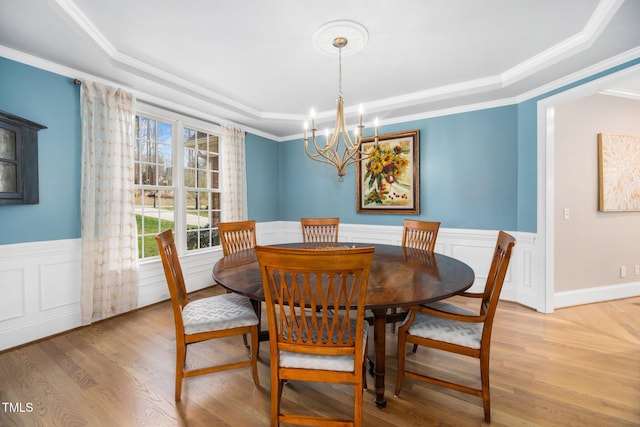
388, 174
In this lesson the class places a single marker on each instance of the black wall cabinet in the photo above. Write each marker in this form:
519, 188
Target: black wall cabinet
18, 160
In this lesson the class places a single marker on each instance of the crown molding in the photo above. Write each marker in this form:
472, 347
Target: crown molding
621, 94
70, 12
585, 73
146, 98
598, 21
466, 108
603, 13
163, 103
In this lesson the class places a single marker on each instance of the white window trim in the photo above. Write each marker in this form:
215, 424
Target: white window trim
181, 121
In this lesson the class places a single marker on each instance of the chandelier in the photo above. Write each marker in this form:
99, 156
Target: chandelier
339, 149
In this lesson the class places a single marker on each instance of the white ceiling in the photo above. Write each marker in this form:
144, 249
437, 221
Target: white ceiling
253, 62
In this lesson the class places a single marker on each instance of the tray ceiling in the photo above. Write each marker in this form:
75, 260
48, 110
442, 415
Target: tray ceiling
253, 62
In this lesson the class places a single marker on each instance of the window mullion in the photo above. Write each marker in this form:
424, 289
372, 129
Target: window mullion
180, 192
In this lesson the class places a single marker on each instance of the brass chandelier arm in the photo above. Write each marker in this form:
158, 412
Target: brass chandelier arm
329, 153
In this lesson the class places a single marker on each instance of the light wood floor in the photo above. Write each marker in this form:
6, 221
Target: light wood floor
577, 367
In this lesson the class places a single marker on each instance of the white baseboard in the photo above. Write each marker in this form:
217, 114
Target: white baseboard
596, 294
35, 329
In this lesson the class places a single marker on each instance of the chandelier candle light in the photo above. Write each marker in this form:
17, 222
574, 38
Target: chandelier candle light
339, 150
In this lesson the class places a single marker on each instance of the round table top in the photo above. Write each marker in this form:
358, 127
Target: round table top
398, 277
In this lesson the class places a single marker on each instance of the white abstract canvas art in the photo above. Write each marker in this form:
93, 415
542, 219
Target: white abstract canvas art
619, 172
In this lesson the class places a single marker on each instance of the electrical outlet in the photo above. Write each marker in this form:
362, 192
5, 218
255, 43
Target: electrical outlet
636, 270
566, 213
623, 271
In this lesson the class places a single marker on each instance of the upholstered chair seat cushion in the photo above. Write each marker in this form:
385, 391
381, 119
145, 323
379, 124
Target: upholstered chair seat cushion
217, 313
446, 330
343, 363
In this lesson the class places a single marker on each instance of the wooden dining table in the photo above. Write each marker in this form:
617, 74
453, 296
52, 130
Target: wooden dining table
398, 277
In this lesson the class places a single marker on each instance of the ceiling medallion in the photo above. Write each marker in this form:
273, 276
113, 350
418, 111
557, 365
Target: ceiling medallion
355, 33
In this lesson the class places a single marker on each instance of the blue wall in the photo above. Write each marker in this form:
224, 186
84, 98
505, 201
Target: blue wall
478, 169
53, 101
262, 178
527, 124
468, 175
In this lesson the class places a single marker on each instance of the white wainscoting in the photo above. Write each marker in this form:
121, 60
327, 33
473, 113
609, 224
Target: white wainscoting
40, 290
475, 247
40, 282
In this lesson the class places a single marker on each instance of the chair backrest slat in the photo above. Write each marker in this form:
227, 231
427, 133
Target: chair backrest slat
237, 236
309, 294
420, 234
320, 230
173, 274
495, 279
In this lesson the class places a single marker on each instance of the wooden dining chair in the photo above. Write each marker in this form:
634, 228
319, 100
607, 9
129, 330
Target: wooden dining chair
320, 230
420, 234
454, 328
237, 236
206, 318
313, 334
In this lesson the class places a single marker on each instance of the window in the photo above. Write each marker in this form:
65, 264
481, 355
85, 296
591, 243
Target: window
177, 172
201, 183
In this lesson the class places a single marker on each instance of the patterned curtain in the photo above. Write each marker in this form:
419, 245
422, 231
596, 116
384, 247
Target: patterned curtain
109, 239
234, 175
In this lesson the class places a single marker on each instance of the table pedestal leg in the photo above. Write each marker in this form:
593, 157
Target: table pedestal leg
257, 307
379, 339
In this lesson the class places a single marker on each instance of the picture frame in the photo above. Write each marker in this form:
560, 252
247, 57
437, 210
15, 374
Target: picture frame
618, 172
388, 177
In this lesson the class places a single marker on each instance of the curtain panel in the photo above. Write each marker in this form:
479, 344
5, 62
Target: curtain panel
109, 235
234, 175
